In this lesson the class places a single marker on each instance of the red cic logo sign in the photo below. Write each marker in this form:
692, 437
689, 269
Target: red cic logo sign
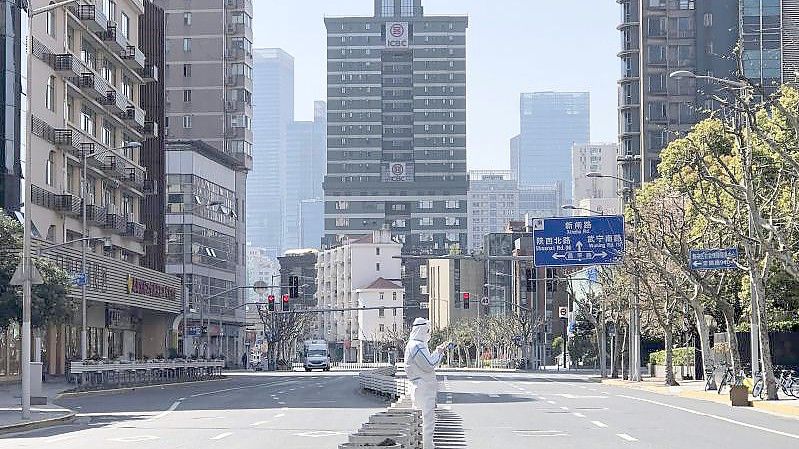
398, 169
397, 35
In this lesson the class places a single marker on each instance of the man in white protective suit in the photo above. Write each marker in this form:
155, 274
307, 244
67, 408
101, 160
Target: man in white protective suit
420, 366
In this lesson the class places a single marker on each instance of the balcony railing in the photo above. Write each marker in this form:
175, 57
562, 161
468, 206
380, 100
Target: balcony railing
133, 57
114, 167
95, 215
68, 64
115, 101
135, 230
149, 73
67, 203
91, 16
135, 177
93, 85
133, 115
151, 129
114, 38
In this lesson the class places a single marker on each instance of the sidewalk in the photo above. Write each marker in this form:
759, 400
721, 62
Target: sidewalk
694, 389
41, 415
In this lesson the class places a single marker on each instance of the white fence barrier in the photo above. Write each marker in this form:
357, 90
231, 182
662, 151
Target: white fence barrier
104, 375
382, 381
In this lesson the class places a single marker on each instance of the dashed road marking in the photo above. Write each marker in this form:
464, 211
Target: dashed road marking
280, 415
579, 415
258, 423
626, 437
564, 408
222, 435
551, 402
599, 423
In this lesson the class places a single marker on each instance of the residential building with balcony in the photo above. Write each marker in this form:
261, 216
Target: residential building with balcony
602, 192
493, 202
343, 271
89, 73
659, 37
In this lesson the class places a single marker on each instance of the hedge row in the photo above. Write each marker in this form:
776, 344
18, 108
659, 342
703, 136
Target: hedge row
682, 356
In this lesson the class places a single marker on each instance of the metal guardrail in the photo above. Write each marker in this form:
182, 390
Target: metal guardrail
113, 375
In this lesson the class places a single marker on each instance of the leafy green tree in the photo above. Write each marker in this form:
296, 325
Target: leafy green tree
49, 302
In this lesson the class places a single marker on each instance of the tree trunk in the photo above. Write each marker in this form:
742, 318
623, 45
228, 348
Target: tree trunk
732, 338
669, 341
708, 358
759, 305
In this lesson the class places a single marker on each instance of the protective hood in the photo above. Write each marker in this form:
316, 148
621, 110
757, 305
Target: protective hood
420, 330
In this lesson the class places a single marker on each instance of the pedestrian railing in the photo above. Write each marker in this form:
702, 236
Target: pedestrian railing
359, 366
94, 376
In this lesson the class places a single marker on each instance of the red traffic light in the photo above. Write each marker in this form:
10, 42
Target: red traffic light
285, 298
270, 298
465, 296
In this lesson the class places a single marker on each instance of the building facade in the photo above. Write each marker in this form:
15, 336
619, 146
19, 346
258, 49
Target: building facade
202, 223
397, 131
89, 60
448, 280
301, 265
11, 95
208, 128
551, 122
302, 176
493, 202
595, 158
273, 78
341, 272
541, 201
657, 38
378, 329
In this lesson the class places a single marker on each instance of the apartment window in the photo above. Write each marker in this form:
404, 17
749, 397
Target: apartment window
51, 23
186, 44
400, 223
70, 38
426, 221
110, 8
87, 120
452, 221
425, 237
49, 96
426, 204
341, 222
381, 312
342, 205
88, 55
387, 8
50, 169
109, 72
70, 109
127, 87
187, 121
382, 327
377, 251
108, 135
377, 266
708, 19
187, 70
453, 204
187, 96
187, 18
406, 8
124, 25
127, 207
394, 298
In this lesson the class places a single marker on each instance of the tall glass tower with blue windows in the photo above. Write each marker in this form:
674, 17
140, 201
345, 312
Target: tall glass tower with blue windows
769, 31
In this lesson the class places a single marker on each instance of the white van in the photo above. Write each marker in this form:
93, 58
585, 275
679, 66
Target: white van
316, 355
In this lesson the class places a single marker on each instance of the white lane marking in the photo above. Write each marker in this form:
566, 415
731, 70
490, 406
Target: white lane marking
167, 411
626, 437
579, 415
574, 396
222, 435
551, 402
134, 439
720, 418
564, 408
542, 398
132, 414
493, 395
599, 423
280, 415
258, 423
225, 390
282, 403
540, 433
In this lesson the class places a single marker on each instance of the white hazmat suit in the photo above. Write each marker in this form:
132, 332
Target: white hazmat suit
420, 366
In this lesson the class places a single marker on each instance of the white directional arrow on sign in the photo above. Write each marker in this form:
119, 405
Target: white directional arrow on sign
579, 246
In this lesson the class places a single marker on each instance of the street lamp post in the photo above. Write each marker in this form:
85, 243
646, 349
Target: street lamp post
572, 207
754, 344
85, 230
635, 313
27, 266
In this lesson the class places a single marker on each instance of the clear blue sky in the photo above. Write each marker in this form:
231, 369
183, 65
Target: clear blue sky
513, 46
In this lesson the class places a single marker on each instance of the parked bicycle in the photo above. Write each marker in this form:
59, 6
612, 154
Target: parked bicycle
787, 382
730, 378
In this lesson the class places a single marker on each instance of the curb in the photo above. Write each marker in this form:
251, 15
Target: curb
74, 394
31, 425
766, 406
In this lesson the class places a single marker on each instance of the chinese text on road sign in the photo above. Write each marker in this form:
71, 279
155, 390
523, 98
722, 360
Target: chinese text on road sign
578, 241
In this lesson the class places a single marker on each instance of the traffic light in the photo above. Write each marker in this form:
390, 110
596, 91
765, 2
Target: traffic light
271, 300
465, 300
285, 301
294, 286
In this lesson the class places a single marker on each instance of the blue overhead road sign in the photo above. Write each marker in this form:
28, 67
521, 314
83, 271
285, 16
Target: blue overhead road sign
560, 242
713, 259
